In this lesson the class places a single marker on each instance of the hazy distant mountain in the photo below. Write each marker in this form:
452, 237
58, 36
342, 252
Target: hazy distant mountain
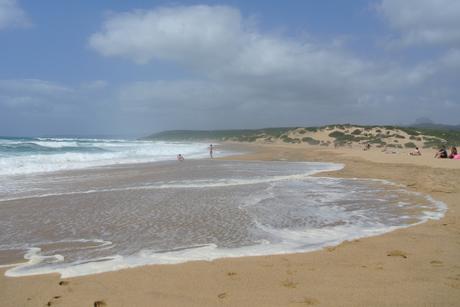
427, 123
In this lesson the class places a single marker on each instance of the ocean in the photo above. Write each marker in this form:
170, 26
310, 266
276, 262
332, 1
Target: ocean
86, 206
32, 155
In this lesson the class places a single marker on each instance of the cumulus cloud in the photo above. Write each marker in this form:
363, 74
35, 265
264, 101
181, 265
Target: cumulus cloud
240, 70
429, 22
11, 15
176, 33
215, 40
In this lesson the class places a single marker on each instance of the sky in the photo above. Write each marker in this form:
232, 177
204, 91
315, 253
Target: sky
137, 67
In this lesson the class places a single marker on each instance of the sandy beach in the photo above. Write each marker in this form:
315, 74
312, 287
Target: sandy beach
415, 266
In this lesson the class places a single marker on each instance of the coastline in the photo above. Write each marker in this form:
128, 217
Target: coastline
410, 267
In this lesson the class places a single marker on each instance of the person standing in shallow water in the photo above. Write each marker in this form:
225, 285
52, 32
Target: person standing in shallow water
211, 149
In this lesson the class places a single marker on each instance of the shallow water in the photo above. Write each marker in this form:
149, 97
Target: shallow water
96, 220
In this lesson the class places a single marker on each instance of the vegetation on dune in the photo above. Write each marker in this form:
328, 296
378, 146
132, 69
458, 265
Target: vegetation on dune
410, 145
310, 141
376, 141
243, 135
432, 142
340, 134
356, 132
343, 138
451, 137
287, 139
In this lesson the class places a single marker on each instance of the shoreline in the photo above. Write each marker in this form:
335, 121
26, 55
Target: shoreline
294, 274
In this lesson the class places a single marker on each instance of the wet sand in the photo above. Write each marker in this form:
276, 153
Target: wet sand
417, 266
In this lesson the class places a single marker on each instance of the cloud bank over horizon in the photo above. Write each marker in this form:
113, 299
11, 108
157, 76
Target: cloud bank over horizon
231, 72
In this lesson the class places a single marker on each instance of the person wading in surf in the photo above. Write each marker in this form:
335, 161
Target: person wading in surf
211, 149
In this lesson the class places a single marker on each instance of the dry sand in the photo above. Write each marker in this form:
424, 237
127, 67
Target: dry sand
417, 266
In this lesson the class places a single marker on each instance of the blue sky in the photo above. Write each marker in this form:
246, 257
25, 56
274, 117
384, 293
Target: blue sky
135, 67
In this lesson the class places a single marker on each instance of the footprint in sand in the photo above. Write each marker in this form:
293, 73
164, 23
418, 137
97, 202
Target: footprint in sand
309, 301
397, 253
100, 304
289, 284
436, 263
456, 277
51, 301
453, 284
233, 275
222, 295
453, 281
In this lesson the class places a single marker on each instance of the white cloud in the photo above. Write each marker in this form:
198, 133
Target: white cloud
176, 33
217, 41
432, 22
11, 15
20, 93
240, 70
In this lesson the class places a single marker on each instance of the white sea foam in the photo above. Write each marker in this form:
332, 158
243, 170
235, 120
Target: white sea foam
290, 241
21, 157
245, 209
191, 184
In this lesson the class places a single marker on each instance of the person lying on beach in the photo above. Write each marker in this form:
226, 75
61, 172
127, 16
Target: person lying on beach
416, 152
441, 154
453, 152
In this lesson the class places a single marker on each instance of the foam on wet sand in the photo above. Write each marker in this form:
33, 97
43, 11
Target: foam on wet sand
84, 222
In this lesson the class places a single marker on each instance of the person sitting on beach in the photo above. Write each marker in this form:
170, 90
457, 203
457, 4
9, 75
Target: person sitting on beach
442, 153
180, 157
453, 152
416, 152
